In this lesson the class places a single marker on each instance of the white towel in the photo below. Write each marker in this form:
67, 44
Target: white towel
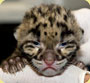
73, 74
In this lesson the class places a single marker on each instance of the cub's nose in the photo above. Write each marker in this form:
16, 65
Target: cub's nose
49, 57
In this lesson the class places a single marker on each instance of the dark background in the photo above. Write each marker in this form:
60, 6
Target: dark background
7, 40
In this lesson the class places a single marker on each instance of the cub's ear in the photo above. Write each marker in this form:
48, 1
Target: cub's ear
82, 30
20, 32
15, 35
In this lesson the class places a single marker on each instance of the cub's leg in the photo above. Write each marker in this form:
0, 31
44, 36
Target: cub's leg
14, 63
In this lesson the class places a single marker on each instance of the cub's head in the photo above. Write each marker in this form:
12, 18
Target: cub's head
49, 38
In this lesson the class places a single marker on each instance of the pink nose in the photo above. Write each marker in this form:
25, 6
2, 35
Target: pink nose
49, 58
49, 62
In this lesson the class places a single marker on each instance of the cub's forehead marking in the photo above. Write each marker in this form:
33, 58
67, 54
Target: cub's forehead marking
62, 24
51, 20
44, 10
40, 19
65, 17
36, 30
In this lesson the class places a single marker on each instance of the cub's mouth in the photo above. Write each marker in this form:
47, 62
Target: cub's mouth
49, 70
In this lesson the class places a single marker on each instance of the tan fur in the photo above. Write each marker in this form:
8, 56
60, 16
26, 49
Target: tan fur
28, 24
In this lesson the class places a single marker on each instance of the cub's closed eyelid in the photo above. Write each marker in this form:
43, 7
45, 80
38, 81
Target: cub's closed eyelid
63, 44
36, 43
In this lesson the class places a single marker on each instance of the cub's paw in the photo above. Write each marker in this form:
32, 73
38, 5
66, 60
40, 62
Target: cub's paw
13, 65
81, 65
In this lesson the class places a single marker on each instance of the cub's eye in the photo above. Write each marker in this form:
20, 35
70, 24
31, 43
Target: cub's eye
36, 43
63, 44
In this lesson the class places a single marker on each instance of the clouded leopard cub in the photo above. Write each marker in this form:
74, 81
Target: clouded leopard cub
48, 40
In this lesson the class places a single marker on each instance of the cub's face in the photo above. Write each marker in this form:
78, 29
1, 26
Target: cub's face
49, 39
49, 61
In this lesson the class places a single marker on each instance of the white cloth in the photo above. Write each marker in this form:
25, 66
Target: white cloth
72, 74
83, 19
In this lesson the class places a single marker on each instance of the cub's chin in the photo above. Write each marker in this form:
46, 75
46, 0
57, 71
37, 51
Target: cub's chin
49, 72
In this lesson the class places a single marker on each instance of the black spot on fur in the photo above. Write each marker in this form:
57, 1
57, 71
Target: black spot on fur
63, 25
38, 33
66, 33
51, 20
65, 18
58, 24
45, 33
45, 25
55, 33
34, 17
35, 30
40, 11
37, 26
58, 10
